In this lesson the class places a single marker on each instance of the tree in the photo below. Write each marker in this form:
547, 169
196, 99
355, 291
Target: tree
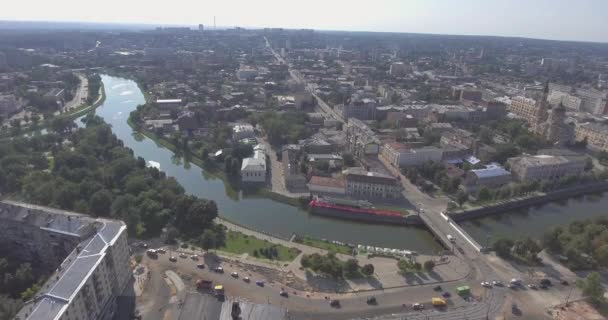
349, 160
461, 197
429, 265
503, 247
351, 267
100, 203
367, 269
592, 288
207, 240
484, 194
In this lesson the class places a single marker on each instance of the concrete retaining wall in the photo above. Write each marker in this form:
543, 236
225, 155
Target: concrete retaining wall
528, 202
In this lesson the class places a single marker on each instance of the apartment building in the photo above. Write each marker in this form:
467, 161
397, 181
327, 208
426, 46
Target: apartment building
545, 167
90, 259
362, 184
595, 133
523, 107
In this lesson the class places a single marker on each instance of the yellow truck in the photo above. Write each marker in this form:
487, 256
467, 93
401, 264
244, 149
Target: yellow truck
219, 290
438, 302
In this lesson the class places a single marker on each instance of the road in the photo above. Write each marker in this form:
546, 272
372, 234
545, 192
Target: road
81, 95
295, 75
316, 306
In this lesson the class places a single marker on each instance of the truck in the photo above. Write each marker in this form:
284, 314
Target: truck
438, 302
202, 284
463, 291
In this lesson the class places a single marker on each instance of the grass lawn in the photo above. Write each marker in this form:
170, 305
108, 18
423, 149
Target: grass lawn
239, 243
326, 245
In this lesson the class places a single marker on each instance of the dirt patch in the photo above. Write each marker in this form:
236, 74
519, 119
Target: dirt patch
576, 310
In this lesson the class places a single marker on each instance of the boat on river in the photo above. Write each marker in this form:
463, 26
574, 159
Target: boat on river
358, 210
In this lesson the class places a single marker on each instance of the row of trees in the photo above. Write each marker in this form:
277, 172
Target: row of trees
330, 265
94, 86
435, 172
17, 284
408, 266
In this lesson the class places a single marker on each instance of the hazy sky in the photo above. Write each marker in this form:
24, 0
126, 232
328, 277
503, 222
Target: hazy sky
585, 20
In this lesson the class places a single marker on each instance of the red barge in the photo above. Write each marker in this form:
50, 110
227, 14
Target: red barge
355, 210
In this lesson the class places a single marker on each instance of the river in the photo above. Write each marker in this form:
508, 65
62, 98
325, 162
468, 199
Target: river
123, 96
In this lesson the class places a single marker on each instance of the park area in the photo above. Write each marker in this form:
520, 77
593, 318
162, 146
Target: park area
239, 243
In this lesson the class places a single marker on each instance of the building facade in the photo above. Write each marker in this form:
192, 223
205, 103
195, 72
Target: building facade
361, 184
360, 139
90, 258
595, 133
253, 169
545, 167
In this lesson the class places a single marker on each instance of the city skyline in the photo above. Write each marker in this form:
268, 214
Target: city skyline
544, 19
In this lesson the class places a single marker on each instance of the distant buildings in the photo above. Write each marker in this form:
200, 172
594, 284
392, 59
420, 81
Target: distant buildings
399, 69
360, 107
246, 73
90, 259
546, 167
253, 169
9, 105
363, 184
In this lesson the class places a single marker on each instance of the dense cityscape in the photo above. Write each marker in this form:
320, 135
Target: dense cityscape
271, 173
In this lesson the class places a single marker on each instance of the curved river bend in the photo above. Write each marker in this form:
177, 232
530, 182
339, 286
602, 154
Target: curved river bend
123, 96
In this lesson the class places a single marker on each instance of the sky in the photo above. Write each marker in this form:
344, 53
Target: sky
580, 20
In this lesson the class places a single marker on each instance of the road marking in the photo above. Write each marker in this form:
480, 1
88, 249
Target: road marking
465, 236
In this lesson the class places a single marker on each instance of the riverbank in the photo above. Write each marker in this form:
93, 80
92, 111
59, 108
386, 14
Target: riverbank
525, 202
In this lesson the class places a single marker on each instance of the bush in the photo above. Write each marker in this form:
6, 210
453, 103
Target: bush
429, 265
368, 269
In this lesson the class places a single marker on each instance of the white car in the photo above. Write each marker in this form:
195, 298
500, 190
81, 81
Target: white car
486, 284
497, 283
183, 255
161, 251
194, 257
234, 275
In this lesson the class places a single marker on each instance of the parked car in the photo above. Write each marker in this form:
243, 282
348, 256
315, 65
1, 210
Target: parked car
486, 284
565, 282
284, 294
194, 257
200, 266
161, 251
172, 259
234, 275
446, 294
545, 282
183, 255
437, 288
335, 303
532, 286
260, 283
246, 279
372, 300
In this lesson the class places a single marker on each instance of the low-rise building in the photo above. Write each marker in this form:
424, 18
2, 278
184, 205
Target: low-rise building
253, 169
362, 184
400, 155
167, 105
327, 186
546, 167
492, 176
